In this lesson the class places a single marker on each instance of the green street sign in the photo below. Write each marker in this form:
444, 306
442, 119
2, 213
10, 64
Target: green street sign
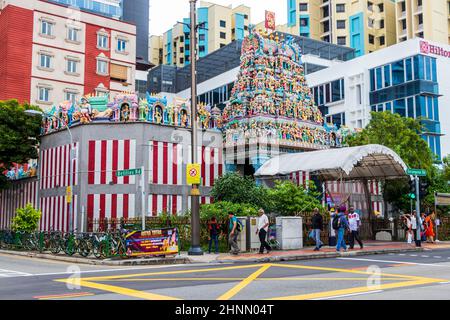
417, 172
130, 172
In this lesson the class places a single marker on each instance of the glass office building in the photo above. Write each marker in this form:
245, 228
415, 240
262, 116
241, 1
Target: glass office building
111, 8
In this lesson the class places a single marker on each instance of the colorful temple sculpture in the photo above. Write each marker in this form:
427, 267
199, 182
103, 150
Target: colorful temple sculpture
126, 107
271, 100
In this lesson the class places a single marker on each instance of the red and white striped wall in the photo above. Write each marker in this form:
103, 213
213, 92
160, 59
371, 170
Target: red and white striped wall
18, 196
111, 206
353, 187
55, 213
166, 163
158, 204
300, 178
55, 167
106, 157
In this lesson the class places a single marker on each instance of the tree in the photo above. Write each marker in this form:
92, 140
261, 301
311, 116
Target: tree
403, 135
290, 199
242, 190
26, 220
19, 135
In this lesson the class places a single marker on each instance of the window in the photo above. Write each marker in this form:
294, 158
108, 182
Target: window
420, 19
102, 67
409, 69
382, 24
369, 6
303, 7
72, 34
340, 7
400, 107
71, 66
379, 78
201, 37
382, 40
403, 6
223, 24
121, 45
223, 35
45, 61
342, 41
371, 39
120, 73
246, 16
340, 24
404, 24
181, 61
381, 7
102, 41
47, 28
201, 48
44, 94
419, 3
387, 76
222, 45
411, 107
398, 73
70, 96
304, 22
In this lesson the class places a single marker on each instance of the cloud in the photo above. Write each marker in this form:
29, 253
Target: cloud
165, 13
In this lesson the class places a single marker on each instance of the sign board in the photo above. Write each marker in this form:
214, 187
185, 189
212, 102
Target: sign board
69, 195
193, 174
270, 20
417, 172
442, 199
129, 172
152, 242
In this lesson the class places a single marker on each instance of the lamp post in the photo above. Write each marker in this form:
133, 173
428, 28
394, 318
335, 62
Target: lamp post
195, 249
36, 113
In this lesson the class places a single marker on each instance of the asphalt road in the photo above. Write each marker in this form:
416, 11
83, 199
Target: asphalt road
419, 276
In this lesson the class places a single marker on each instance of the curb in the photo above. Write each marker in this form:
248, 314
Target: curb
326, 255
106, 262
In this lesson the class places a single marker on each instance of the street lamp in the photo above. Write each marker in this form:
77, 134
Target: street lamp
195, 249
36, 113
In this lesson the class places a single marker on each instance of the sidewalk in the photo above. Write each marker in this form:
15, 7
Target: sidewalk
371, 248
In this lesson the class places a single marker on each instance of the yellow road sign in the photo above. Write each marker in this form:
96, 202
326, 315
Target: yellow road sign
69, 195
193, 174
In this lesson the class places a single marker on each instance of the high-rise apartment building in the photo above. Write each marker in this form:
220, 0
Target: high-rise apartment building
363, 25
220, 26
427, 19
49, 54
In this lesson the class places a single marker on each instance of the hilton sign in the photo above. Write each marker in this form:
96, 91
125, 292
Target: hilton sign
427, 48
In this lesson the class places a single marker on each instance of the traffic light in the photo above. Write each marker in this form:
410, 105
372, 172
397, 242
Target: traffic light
423, 189
412, 186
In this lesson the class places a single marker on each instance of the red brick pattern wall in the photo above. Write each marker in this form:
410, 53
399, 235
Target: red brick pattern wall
16, 38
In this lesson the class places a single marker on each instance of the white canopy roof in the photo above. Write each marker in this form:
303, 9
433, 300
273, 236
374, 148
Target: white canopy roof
356, 163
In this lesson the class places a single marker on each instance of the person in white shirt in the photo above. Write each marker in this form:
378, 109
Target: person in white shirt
354, 222
263, 228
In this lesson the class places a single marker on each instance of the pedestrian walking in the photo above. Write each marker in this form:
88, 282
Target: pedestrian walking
263, 228
429, 229
317, 226
213, 228
354, 222
332, 240
414, 226
234, 228
340, 224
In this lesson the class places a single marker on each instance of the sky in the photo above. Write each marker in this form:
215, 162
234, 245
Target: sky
165, 13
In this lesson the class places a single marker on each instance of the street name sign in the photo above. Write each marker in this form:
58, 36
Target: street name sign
417, 172
129, 172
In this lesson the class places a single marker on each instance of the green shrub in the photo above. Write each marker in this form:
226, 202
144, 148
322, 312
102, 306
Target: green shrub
26, 219
221, 209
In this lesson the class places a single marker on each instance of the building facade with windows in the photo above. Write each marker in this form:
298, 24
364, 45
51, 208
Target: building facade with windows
410, 78
109, 8
220, 26
47, 56
365, 25
428, 19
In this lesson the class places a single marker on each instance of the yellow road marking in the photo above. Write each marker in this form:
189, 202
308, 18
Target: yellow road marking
240, 279
171, 272
65, 296
366, 289
235, 290
121, 290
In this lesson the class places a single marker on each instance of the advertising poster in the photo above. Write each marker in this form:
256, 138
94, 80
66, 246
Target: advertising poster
152, 242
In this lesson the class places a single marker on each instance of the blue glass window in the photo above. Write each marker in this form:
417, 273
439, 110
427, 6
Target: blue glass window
436, 109
387, 76
336, 90
380, 108
411, 107
374, 108
398, 73
428, 68
321, 96
372, 80
399, 107
379, 79
430, 107
389, 106
434, 69
419, 68
432, 143
409, 70
420, 107
438, 147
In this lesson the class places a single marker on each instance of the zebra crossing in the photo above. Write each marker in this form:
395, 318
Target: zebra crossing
12, 274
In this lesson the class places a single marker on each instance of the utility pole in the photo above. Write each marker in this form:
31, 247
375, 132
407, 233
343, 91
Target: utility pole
419, 240
195, 249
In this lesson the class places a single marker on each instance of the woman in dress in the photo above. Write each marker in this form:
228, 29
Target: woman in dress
429, 229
